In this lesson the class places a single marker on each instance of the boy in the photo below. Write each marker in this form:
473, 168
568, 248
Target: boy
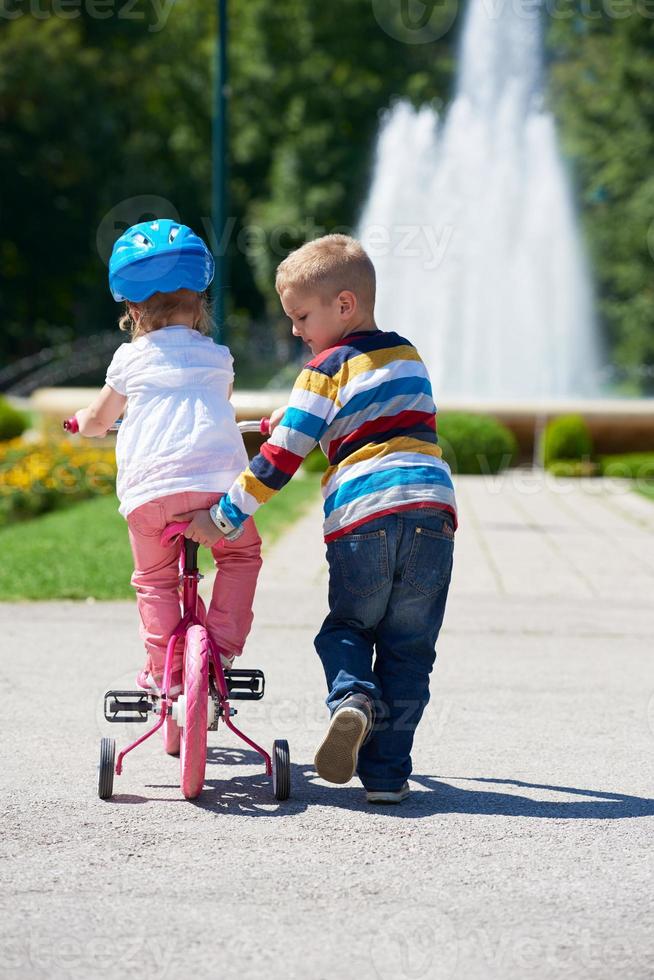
390, 512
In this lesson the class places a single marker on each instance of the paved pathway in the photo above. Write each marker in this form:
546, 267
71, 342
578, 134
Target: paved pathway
524, 852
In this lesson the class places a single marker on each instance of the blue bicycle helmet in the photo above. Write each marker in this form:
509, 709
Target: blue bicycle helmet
158, 256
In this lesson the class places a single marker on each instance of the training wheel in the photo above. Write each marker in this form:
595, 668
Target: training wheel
106, 768
281, 769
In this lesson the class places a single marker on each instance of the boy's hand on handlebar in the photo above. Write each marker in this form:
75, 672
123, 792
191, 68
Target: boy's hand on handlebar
276, 417
201, 529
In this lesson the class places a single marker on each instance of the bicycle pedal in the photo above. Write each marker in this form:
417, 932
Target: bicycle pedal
245, 685
127, 706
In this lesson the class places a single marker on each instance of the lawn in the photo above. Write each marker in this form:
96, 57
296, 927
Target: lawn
647, 490
83, 551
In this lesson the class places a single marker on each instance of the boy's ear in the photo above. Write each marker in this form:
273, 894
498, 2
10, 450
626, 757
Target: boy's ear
347, 303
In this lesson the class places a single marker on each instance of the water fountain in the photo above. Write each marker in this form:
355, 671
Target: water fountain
472, 229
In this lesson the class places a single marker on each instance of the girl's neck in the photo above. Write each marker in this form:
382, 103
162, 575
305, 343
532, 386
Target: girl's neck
180, 320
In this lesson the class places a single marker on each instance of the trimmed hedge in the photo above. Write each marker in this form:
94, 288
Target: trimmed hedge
572, 467
634, 466
470, 443
567, 437
475, 444
12, 422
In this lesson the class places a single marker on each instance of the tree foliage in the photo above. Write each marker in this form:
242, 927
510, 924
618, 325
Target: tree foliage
602, 93
96, 112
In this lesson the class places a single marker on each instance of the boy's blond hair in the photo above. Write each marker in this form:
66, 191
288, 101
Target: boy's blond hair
158, 311
327, 266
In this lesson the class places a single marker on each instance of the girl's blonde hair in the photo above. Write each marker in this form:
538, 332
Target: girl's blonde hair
159, 311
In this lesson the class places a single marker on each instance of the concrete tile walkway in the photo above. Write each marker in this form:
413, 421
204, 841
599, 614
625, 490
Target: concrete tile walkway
523, 852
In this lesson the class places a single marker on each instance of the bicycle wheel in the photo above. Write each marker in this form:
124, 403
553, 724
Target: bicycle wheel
281, 769
106, 768
193, 740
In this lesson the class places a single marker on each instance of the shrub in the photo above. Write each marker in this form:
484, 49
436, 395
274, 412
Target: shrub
572, 467
470, 444
634, 466
316, 462
12, 422
567, 437
475, 443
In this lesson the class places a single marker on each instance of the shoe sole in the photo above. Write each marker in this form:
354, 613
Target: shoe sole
336, 757
388, 798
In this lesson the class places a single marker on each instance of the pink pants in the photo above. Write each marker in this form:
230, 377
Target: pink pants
156, 576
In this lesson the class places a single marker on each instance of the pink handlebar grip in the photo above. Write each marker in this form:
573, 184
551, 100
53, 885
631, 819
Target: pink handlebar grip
265, 427
71, 425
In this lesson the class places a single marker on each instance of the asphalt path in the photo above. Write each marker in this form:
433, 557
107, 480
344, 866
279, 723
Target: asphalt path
525, 849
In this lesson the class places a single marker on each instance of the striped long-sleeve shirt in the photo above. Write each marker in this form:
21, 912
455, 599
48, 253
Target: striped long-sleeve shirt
368, 402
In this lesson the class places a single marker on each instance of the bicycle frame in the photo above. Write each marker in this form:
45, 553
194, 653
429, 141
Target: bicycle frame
193, 614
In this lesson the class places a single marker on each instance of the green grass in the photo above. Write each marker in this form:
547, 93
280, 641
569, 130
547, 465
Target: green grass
84, 552
647, 490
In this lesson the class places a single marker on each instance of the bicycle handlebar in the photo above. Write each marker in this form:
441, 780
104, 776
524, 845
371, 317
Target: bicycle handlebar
262, 427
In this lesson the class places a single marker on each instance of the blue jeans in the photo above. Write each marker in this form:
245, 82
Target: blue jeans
388, 584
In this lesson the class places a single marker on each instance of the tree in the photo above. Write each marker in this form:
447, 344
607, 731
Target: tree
96, 112
602, 94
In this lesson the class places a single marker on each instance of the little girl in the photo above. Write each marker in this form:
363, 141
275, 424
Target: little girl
178, 448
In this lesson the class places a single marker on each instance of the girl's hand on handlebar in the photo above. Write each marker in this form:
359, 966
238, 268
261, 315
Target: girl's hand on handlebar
275, 418
201, 529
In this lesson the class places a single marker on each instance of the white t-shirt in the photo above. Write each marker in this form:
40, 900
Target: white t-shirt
178, 432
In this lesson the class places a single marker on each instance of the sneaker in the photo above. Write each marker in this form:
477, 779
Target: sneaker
337, 754
148, 682
388, 795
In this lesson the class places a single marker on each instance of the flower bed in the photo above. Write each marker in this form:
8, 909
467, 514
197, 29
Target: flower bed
36, 477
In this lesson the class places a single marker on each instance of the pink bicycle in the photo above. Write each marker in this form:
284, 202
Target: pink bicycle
207, 689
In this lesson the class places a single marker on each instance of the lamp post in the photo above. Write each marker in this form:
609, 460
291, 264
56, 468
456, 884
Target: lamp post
219, 196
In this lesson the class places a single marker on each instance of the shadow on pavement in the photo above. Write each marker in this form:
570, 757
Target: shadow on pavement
250, 794
447, 798
589, 804
242, 794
